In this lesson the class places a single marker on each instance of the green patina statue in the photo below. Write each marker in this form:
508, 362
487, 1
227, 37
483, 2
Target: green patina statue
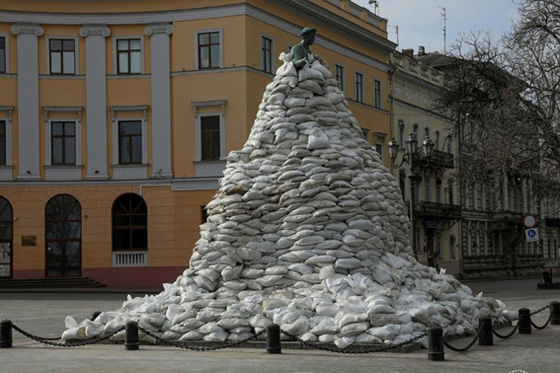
301, 55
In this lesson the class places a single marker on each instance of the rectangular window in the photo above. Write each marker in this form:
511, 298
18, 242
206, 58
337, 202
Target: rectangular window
62, 56
130, 142
2, 54
129, 56
266, 54
210, 138
339, 74
377, 93
359, 87
379, 149
209, 50
63, 143
2, 142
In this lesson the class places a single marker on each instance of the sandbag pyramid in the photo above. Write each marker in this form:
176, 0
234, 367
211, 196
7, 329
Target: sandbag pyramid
307, 230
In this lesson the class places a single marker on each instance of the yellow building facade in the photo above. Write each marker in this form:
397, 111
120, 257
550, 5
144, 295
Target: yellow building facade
116, 118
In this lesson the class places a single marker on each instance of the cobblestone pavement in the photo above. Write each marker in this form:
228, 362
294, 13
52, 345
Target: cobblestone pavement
43, 314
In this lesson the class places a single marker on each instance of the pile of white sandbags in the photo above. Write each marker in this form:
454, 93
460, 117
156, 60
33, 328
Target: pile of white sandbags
308, 230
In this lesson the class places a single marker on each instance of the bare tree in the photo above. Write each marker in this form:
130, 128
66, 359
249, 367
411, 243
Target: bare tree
504, 98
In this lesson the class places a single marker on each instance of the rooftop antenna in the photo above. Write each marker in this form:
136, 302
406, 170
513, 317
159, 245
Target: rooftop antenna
375, 6
397, 32
444, 14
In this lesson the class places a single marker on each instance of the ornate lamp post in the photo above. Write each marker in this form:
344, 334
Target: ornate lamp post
408, 158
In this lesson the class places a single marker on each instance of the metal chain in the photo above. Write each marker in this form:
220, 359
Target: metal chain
45, 341
507, 335
467, 347
362, 351
541, 327
194, 348
540, 310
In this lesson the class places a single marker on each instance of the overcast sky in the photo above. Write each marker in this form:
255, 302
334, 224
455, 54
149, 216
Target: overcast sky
420, 22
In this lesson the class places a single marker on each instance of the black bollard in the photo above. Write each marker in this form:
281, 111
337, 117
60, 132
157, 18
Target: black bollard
554, 313
273, 345
6, 334
131, 336
485, 337
524, 321
94, 315
435, 344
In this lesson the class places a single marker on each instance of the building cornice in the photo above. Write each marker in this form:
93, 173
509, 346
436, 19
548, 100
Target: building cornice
365, 37
334, 21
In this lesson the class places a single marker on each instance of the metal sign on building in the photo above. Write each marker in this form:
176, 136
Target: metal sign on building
532, 235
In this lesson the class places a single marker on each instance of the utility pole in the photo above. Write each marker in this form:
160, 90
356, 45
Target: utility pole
444, 14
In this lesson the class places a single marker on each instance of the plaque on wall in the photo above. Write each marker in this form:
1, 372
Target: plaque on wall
28, 240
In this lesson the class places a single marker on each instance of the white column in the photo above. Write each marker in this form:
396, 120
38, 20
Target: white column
28, 100
524, 195
161, 99
96, 92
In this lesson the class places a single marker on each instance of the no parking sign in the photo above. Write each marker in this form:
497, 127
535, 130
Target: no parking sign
532, 235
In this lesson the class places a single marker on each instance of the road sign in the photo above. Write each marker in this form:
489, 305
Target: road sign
530, 221
532, 235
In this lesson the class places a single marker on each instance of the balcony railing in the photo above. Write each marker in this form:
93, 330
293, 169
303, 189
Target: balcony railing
437, 210
439, 159
130, 258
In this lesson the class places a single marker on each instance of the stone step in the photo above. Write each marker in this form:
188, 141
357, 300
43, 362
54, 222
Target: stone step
46, 283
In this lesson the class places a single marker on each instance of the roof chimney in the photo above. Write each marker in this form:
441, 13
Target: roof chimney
421, 50
408, 52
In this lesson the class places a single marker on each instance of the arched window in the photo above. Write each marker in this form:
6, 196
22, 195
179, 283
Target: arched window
6, 221
130, 223
63, 236
426, 132
436, 147
401, 134
415, 129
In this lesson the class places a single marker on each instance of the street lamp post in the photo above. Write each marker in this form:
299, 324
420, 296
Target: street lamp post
408, 158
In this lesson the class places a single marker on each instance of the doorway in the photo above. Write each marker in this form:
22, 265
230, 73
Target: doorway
63, 242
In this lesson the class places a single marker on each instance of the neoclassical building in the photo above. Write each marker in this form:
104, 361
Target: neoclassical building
116, 117
414, 87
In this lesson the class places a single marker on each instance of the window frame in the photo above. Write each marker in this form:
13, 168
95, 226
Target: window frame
263, 56
212, 147
377, 92
342, 81
63, 136
3, 143
116, 64
130, 224
131, 142
129, 113
49, 55
197, 48
359, 86
202, 109
6, 49
6, 113
63, 114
